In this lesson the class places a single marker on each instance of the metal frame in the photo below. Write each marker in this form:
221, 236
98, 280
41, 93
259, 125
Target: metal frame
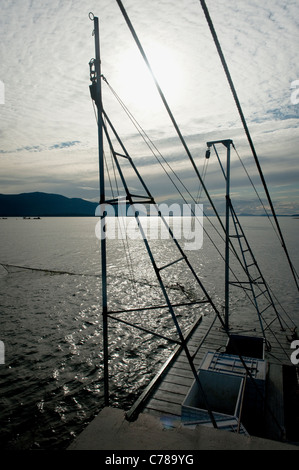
96, 94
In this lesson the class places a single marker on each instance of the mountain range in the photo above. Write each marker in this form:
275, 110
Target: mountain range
38, 204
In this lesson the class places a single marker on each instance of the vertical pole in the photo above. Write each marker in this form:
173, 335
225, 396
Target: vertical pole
98, 100
227, 214
227, 143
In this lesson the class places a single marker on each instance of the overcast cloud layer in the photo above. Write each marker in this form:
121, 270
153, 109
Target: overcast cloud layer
48, 129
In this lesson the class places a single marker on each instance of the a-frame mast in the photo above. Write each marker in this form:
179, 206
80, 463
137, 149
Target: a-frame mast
96, 94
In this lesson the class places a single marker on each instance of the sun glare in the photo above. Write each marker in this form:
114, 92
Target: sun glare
137, 83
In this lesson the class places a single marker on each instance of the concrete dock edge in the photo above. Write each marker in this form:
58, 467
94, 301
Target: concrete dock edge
110, 430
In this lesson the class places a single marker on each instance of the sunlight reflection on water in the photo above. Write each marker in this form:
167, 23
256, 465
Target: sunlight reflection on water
51, 323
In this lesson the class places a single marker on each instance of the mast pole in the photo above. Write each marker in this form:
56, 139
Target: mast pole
96, 92
227, 239
227, 143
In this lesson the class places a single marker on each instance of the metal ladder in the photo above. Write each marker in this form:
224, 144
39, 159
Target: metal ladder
256, 284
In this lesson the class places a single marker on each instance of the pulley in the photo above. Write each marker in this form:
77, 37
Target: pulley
208, 153
92, 69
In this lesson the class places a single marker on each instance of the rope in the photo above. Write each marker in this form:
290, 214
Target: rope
125, 242
176, 287
204, 172
173, 120
152, 147
157, 154
265, 210
224, 64
141, 50
256, 192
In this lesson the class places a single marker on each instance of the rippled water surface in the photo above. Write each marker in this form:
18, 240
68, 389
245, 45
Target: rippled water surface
50, 318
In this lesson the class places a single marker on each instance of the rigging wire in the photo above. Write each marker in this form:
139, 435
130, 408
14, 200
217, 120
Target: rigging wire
203, 4
123, 231
253, 185
183, 342
172, 118
170, 114
255, 190
233, 90
131, 28
274, 229
265, 210
127, 250
152, 147
204, 172
72, 273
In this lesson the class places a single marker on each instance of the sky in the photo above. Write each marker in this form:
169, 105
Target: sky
48, 130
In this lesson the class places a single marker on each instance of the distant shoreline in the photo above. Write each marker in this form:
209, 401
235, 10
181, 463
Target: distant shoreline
39, 204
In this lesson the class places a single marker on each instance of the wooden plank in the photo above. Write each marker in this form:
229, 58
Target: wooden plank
167, 399
175, 379
174, 418
178, 389
168, 396
164, 407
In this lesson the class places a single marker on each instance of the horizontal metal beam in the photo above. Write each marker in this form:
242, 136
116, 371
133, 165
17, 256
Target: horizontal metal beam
154, 307
138, 327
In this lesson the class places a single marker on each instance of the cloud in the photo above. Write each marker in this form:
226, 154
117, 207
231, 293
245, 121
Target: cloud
46, 46
63, 145
40, 148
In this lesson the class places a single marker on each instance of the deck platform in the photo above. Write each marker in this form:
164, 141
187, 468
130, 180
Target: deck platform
167, 391
154, 421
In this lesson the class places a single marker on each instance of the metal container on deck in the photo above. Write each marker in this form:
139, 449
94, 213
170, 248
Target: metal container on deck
223, 393
255, 385
248, 346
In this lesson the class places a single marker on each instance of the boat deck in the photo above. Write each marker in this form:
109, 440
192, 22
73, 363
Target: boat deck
164, 396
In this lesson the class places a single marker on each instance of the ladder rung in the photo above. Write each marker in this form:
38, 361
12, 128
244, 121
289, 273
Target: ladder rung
240, 284
121, 155
266, 308
261, 293
251, 264
115, 201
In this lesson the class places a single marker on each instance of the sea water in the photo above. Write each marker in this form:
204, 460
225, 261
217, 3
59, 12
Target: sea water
51, 324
